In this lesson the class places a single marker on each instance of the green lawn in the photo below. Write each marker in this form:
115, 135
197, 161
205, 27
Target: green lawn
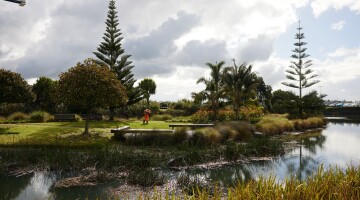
54, 131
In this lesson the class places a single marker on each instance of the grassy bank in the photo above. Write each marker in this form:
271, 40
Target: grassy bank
277, 124
66, 133
334, 183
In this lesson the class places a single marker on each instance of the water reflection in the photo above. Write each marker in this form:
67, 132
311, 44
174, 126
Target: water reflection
336, 145
40, 185
12, 186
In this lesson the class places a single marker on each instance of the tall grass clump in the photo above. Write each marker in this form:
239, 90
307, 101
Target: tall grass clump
312, 122
145, 178
274, 125
2, 119
180, 135
163, 117
235, 130
39, 116
335, 184
18, 116
264, 146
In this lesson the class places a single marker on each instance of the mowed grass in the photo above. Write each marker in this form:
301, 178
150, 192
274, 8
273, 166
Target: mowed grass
53, 132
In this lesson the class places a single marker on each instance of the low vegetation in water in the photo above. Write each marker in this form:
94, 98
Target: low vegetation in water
334, 183
277, 124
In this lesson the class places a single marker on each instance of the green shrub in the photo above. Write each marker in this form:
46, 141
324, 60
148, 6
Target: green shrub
250, 112
233, 151
197, 139
226, 115
312, 122
180, 135
7, 109
2, 119
265, 146
202, 116
235, 130
163, 117
39, 116
145, 178
18, 116
212, 136
274, 125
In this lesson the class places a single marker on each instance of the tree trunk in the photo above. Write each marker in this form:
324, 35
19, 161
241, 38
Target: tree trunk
111, 113
87, 119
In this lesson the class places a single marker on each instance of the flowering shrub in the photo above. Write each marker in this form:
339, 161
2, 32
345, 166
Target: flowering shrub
250, 112
245, 113
226, 115
202, 116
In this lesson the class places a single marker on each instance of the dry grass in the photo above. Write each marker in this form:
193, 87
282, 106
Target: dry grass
336, 183
277, 124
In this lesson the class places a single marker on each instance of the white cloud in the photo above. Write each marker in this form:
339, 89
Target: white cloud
338, 26
168, 40
320, 6
344, 52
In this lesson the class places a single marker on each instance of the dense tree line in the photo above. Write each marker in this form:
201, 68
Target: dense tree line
234, 85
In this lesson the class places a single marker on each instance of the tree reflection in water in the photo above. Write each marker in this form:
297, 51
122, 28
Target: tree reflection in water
307, 163
11, 186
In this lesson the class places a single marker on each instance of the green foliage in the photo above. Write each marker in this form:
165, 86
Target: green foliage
8, 108
300, 74
44, 90
300, 71
287, 102
187, 107
235, 130
264, 94
251, 112
240, 84
274, 125
89, 86
13, 88
111, 54
278, 124
265, 146
202, 116
164, 117
148, 87
18, 116
213, 89
284, 102
145, 178
313, 104
312, 122
137, 110
39, 116
245, 113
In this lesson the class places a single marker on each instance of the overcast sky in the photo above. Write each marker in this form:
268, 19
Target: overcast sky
170, 41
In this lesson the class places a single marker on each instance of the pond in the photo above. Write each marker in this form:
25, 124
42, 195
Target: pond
338, 144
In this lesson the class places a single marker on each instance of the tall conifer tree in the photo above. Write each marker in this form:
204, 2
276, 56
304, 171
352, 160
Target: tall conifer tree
300, 71
111, 54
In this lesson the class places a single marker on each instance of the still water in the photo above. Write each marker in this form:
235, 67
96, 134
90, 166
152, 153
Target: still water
338, 144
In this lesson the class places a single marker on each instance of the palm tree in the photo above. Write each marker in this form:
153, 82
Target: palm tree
240, 84
213, 86
148, 86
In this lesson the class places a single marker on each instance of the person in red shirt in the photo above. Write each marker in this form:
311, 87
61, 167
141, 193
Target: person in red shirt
147, 113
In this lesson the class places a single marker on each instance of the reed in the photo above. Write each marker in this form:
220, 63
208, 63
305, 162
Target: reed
278, 124
334, 183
